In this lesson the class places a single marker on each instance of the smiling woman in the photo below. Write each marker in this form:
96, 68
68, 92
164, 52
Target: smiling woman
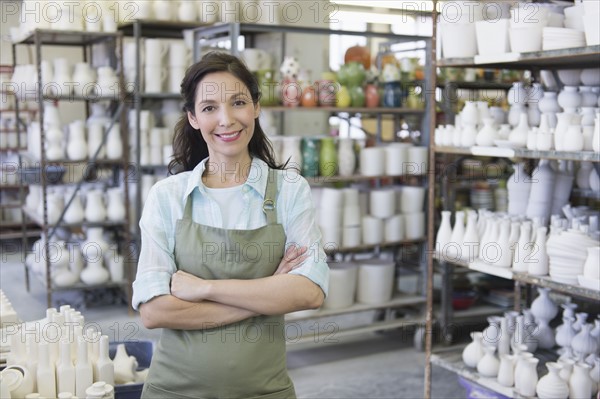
229, 245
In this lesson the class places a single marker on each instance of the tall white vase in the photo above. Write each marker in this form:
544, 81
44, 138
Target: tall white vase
538, 263
506, 370
65, 371
104, 368
46, 372
444, 233
505, 256
458, 233
528, 377
519, 188
84, 375
470, 244
518, 136
542, 189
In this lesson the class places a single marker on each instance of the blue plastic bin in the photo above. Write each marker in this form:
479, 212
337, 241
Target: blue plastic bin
142, 350
476, 391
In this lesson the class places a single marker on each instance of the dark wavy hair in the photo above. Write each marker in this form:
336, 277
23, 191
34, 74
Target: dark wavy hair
189, 148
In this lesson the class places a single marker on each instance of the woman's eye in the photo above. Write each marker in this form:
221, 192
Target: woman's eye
208, 108
239, 102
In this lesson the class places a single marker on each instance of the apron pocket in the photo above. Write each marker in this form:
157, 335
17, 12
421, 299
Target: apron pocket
288, 393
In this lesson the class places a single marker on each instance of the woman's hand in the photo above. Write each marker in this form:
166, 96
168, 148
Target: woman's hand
293, 258
188, 287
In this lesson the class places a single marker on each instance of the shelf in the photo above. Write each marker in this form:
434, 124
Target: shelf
80, 285
225, 29
38, 220
519, 153
451, 360
545, 281
91, 97
161, 96
7, 205
478, 311
67, 38
158, 29
397, 301
14, 235
580, 57
332, 336
353, 179
587, 193
368, 247
350, 110
480, 85
66, 162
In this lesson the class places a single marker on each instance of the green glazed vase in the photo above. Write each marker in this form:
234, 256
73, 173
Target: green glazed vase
328, 160
310, 156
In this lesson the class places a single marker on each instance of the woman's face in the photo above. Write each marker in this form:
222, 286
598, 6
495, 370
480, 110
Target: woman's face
225, 115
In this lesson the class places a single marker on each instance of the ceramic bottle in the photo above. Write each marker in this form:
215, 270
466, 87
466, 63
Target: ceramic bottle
565, 332
104, 368
84, 376
75, 212
65, 371
551, 386
542, 189
46, 372
545, 335
444, 233
328, 158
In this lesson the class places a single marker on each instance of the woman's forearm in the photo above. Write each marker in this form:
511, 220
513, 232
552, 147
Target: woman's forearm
167, 311
279, 294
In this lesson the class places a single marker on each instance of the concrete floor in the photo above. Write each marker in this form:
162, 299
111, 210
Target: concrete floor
374, 365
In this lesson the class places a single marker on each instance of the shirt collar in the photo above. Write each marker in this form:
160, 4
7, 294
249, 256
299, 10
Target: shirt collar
257, 179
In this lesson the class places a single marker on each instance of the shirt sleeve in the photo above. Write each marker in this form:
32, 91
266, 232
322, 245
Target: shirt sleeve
156, 262
302, 229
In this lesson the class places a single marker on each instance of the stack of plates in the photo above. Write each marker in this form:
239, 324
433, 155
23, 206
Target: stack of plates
558, 38
482, 198
567, 252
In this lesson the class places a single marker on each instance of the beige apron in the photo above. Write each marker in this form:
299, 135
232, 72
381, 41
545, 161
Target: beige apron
240, 360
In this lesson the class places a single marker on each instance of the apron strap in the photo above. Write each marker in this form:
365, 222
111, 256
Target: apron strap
269, 207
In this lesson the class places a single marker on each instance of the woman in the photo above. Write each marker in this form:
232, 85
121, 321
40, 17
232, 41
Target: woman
212, 271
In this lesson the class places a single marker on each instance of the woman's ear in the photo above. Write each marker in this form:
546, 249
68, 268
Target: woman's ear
256, 110
193, 121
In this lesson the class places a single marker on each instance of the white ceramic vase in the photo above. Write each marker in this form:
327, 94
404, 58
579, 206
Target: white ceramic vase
528, 377
518, 136
538, 262
551, 386
580, 382
95, 211
489, 365
94, 273
523, 249
543, 307
470, 244
444, 233
565, 332
506, 370
584, 343
473, 352
346, 157
487, 134
115, 207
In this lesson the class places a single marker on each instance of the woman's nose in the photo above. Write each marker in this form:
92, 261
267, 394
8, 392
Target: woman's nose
225, 117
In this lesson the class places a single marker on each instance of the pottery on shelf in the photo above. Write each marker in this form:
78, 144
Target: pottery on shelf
346, 157
488, 366
473, 352
545, 335
124, 366
506, 370
95, 210
580, 382
523, 249
543, 307
444, 233
538, 262
487, 134
584, 343
551, 386
518, 136
565, 332
527, 377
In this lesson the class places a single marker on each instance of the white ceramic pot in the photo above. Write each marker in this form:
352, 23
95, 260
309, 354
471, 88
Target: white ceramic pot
342, 285
375, 281
488, 366
552, 386
372, 230
492, 37
372, 161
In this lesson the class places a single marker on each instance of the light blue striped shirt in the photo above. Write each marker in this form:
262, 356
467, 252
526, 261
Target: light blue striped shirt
165, 203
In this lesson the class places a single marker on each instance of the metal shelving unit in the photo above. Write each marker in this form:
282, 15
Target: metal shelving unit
228, 35
449, 358
46, 170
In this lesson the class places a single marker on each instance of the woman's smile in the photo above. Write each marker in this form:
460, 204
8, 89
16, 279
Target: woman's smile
229, 137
